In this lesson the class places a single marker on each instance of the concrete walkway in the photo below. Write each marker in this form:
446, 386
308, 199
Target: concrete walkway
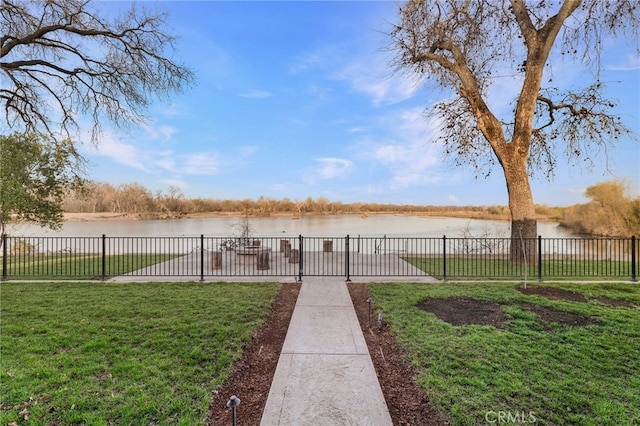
325, 375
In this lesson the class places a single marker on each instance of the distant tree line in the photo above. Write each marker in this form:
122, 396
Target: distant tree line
135, 199
611, 212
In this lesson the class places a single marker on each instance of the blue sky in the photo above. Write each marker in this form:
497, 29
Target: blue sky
296, 99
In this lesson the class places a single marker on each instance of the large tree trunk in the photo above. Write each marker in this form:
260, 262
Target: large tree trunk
524, 227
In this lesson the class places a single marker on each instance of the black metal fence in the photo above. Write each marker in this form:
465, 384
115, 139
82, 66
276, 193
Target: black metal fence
209, 257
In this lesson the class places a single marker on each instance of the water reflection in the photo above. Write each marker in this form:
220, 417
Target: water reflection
309, 226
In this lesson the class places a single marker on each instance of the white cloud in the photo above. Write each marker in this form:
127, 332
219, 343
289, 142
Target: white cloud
321, 93
631, 62
255, 94
111, 147
178, 183
371, 76
362, 66
580, 191
411, 164
166, 132
246, 151
174, 110
329, 168
501, 96
159, 132
165, 160
406, 152
319, 59
203, 163
153, 161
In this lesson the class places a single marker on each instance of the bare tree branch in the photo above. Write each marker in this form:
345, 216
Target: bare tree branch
60, 59
456, 46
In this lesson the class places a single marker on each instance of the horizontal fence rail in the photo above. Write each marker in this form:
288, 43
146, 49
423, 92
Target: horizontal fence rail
209, 257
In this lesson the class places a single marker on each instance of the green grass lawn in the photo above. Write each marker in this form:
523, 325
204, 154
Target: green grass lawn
101, 354
540, 371
460, 267
80, 266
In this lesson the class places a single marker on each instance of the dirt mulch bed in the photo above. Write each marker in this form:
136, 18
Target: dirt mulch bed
252, 375
553, 293
616, 302
553, 315
408, 403
561, 317
468, 311
465, 311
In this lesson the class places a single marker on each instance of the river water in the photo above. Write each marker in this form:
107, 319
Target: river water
308, 226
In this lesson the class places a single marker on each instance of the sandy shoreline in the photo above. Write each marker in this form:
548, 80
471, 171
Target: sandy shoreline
100, 217
94, 217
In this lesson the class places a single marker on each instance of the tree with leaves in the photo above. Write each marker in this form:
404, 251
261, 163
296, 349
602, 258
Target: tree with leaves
462, 47
35, 176
61, 59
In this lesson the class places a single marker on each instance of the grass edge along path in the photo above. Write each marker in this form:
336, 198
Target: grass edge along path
528, 369
139, 353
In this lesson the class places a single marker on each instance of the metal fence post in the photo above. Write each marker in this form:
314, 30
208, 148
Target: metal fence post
300, 257
114, 257
346, 257
201, 258
444, 258
633, 259
539, 258
4, 257
104, 257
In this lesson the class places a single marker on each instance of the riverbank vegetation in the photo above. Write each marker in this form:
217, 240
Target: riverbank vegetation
611, 211
136, 201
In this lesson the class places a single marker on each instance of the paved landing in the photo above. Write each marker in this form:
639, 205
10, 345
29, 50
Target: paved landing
325, 375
